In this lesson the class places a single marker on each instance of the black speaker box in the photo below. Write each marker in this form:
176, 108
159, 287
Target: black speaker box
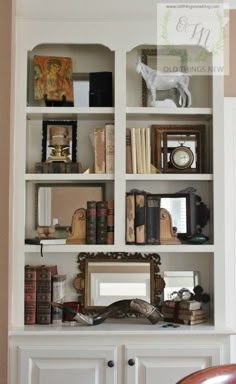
100, 89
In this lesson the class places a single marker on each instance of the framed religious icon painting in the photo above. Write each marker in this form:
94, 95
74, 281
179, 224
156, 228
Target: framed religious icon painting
53, 80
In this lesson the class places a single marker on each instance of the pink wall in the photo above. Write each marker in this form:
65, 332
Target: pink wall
5, 47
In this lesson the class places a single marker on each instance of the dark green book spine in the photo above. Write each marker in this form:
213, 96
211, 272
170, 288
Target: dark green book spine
140, 217
91, 222
152, 219
101, 222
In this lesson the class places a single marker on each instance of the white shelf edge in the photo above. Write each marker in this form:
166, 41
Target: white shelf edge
86, 110
170, 177
122, 328
169, 111
68, 177
76, 248
33, 112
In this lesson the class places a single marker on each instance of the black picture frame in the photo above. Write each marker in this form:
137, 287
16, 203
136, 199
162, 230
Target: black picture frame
72, 125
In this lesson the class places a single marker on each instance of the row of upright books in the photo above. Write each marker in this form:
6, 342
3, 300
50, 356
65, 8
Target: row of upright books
102, 140
142, 218
184, 312
100, 222
138, 150
43, 285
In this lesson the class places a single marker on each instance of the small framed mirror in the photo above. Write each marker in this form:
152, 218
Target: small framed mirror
176, 280
188, 213
56, 203
108, 277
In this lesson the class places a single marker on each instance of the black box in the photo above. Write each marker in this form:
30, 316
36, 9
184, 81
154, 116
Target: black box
100, 89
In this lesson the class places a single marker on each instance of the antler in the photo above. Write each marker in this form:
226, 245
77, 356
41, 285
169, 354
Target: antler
139, 306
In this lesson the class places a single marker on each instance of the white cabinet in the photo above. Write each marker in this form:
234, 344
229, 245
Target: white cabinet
166, 365
46, 365
114, 356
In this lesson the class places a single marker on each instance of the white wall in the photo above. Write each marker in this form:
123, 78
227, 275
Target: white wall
95, 9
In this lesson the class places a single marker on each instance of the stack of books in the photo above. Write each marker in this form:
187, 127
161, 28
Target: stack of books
100, 222
142, 218
43, 284
184, 312
138, 150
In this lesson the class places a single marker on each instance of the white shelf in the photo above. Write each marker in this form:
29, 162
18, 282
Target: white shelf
138, 112
51, 177
43, 113
183, 248
169, 177
107, 177
119, 327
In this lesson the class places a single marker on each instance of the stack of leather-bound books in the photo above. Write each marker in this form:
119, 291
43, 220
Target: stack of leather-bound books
184, 312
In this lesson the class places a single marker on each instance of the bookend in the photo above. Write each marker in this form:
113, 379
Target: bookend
167, 233
77, 233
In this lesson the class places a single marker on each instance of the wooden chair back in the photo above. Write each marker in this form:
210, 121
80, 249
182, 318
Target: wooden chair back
221, 374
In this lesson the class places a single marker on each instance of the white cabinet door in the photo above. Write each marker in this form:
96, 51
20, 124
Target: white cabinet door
63, 365
166, 365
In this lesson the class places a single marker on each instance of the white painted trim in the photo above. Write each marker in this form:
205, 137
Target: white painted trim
230, 207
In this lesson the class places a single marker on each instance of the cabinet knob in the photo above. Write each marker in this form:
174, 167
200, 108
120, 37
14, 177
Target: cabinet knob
110, 364
131, 362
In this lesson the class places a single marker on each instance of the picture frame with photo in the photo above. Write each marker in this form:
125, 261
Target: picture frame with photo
62, 133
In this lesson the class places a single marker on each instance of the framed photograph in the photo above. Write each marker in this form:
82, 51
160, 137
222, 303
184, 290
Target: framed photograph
59, 141
166, 59
53, 79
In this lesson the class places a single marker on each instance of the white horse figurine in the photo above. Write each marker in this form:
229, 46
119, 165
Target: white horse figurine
161, 81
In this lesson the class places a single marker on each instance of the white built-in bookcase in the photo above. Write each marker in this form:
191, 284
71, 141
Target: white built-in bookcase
111, 47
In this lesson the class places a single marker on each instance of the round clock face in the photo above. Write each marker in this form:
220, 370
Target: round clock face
182, 157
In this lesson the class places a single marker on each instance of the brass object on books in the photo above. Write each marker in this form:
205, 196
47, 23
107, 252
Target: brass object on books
105, 276
77, 233
59, 141
167, 234
46, 232
136, 306
59, 144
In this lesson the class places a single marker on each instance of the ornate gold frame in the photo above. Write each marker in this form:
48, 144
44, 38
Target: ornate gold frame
80, 283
